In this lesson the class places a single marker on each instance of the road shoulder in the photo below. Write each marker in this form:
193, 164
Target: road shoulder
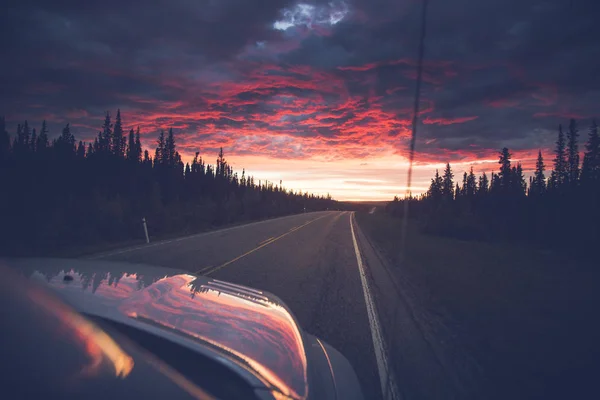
425, 358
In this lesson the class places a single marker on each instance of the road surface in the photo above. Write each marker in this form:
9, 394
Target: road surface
308, 260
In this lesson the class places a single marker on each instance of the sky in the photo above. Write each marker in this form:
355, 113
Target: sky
318, 94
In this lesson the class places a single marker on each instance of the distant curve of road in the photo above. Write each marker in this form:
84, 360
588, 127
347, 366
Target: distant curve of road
310, 261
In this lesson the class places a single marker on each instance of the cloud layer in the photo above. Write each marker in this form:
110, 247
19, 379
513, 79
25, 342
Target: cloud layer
312, 81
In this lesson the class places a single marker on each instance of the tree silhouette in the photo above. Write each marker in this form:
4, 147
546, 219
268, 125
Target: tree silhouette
137, 153
33, 141
590, 171
471, 184
4, 142
559, 175
505, 209
484, 186
118, 140
65, 144
160, 152
463, 190
538, 183
42, 140
80, 150
21, 142
131, 153
518, 185
572, 172
24, 138
505, 173
170, 152
447, 183
435, 189
60, 194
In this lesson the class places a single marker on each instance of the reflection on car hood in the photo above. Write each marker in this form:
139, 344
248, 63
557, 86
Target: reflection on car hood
241, 322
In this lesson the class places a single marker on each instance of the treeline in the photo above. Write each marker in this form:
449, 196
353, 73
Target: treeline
64, 193
559, 210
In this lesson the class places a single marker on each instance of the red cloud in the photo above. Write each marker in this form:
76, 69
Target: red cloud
267, 109
290, 112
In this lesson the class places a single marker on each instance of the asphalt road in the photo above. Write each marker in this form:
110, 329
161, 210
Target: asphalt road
308, 260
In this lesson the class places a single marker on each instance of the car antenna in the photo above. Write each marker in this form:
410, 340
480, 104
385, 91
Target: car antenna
389, 391
415, 120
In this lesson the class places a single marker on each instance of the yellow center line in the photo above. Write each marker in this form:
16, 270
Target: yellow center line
267, 240
206, 271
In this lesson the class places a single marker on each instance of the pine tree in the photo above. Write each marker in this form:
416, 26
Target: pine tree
504, 176
4, 141
105, 137
484, 186
42, 140
457, 193
21, 142
447, 183
171, 149
147, 159
15, 144
559, 174
178, 162
435, 189
519, 186
25, 133
495, 183
81, 150
538, 183
131, 147
463, 190
159, 154
471, 184
572, 153
138, 145
33, 141
118, 140
243, 179
195, 166
221, 165
67, 137
590, 171
65, 144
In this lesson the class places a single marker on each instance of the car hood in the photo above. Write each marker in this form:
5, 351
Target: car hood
241, 323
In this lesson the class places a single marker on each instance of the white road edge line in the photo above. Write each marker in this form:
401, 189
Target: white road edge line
378, 342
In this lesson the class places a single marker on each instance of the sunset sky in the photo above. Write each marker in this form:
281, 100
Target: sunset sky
318, 93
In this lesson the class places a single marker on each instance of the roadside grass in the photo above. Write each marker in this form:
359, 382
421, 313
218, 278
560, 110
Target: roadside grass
529, 317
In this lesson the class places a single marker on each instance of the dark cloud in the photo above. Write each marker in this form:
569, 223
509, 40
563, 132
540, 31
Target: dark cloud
212, 29
341, 76
533, 56
108, 44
